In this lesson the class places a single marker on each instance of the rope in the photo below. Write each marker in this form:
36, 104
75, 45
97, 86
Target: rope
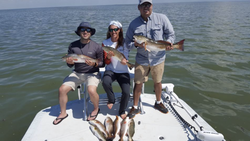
183, 120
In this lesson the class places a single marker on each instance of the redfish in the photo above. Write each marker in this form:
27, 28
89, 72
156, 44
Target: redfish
151, 45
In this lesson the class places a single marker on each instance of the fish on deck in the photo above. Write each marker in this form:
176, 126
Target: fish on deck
100, 126
108, 124
96, 131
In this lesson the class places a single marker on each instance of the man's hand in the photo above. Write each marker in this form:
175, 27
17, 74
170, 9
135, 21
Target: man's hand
170, 46
139, 45
90, 63
70, 60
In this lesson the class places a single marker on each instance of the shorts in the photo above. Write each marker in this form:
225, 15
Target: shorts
142, 72
75, 79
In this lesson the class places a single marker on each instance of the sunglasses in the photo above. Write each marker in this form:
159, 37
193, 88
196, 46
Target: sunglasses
115, 29
146, 5
85, 29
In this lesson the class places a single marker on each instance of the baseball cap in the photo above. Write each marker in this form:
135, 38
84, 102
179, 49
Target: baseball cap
142, 1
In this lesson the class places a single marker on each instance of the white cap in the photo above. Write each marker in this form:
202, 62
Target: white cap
142, 1
116, 23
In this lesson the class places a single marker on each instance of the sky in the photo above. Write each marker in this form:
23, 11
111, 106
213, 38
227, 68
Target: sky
17, 4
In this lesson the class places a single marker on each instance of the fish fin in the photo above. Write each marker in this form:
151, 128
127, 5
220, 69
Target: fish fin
110, 138
148, 50
164, 42
145, 46
179, 45
130, 66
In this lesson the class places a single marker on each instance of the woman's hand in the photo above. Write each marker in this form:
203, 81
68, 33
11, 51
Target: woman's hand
110, 54
124, 61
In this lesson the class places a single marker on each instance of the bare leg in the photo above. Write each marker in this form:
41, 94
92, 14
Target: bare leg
137, 93
63, 99
158, 89
94, 97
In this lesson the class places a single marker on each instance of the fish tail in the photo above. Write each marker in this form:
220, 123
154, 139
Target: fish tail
110, 138
180, 45
130, 66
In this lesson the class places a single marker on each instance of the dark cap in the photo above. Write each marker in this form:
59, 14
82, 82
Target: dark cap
85, 24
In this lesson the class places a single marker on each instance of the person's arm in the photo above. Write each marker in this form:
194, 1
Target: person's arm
129, 42
70, 62
168, 30
100, 55
125, 52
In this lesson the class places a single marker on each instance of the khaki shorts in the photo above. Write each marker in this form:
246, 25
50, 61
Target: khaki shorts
75, 79
142, 72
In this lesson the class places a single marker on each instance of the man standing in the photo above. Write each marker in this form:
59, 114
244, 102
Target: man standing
84, 72
157, 27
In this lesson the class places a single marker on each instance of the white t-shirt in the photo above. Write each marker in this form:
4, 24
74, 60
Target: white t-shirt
115, 64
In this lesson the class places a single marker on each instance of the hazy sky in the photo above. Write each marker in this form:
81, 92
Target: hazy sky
14, 4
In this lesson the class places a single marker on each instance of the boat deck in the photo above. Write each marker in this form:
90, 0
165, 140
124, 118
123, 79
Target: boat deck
151, 126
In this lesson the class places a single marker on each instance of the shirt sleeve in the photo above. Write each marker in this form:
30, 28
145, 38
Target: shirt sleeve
169, 33
129, 42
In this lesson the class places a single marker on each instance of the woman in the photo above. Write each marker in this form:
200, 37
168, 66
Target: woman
116, 70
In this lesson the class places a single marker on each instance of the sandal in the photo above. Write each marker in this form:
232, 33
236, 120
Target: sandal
61, 119
95, 116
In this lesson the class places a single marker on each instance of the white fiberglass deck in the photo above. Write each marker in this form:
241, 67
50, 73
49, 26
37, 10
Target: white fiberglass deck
151, 126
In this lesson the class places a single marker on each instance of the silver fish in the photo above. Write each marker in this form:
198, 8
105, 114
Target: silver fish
124, 128
100, 126
118, 55
108, 123
79, 58
117, 126
151, 45
96, 131
131, 129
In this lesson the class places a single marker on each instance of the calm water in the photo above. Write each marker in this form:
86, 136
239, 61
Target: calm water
212, 75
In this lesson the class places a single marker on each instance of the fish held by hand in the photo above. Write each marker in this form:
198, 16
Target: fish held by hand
118, 55
151, 45
80, 58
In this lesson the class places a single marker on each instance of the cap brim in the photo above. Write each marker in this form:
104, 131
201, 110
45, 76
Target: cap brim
92, 32
145, 1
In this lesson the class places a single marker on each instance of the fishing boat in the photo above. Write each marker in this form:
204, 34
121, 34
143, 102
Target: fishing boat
181, 123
